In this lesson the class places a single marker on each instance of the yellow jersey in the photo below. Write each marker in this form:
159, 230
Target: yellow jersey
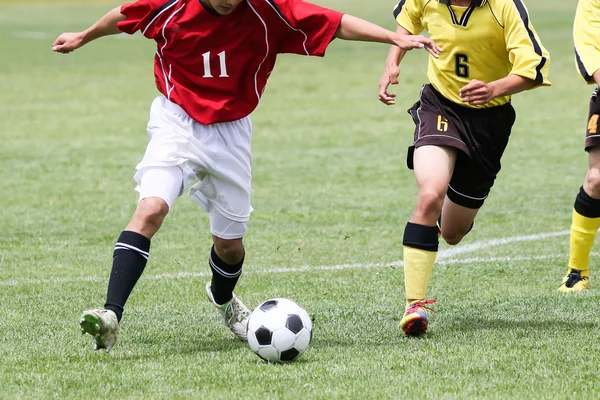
487, 41
586, 34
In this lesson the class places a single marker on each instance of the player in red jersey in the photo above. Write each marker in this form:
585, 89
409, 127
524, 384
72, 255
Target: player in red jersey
212, 62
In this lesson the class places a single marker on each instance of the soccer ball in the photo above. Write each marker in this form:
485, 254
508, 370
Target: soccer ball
279, 330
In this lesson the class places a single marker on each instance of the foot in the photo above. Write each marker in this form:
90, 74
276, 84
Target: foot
415, 321
574, 282
235, 314
102, 325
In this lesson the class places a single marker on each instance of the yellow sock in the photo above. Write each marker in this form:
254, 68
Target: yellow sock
418, 266
583, 233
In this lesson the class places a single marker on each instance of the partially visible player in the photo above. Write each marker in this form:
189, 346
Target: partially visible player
212, 62
586, 212
463, 121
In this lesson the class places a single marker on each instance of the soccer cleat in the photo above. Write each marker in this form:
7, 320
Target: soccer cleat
102, 325
235, 314
574, 282
415, 321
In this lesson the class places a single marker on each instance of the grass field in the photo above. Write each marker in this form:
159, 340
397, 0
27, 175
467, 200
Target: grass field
332, 196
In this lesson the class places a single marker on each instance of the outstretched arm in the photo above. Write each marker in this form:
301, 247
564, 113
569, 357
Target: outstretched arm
107, 25
392, 71
352, 28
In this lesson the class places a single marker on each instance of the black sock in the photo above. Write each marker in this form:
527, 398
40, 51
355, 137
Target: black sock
225, 277
129, 260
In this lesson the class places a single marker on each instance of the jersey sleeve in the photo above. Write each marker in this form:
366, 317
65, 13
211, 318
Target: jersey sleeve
408, 15
308, 28
146, 16
587, 40
527, 55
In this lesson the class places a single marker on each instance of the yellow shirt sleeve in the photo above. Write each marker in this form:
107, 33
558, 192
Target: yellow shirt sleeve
526, 53
408, 14
587, 38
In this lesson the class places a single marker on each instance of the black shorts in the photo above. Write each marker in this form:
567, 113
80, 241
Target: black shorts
480, 135
592, 134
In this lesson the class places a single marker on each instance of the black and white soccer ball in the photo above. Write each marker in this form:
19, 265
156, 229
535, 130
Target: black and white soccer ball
279, 330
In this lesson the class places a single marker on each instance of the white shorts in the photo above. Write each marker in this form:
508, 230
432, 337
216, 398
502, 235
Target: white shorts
182, 150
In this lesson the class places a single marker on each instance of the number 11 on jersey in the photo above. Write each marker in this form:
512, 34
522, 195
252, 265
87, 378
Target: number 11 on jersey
222, 64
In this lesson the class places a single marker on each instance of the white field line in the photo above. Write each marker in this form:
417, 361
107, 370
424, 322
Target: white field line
470, 248
445, 257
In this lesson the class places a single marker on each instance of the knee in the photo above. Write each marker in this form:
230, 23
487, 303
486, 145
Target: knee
592, 182
430, 202
151, 212
452, 238
229, 250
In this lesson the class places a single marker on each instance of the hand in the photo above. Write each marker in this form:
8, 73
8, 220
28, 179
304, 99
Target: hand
409, 42
477, 93
68, 42
390, 76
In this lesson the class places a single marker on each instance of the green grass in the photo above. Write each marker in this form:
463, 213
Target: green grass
331, 189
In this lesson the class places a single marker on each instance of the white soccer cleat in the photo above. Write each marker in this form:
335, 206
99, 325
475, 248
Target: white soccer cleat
235, 314
103, 325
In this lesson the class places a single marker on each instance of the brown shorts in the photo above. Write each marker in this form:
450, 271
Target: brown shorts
592, 133
480, 135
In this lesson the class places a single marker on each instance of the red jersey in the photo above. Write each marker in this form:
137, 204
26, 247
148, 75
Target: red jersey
216, 67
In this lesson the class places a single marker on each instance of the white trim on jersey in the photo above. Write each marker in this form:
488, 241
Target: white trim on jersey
291, 27
266, 55
160, 54
158, 15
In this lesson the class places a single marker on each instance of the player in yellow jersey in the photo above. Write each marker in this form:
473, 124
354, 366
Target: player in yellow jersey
463, 120
586, 212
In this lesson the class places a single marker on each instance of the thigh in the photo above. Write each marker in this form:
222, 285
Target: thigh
436, 123
223, 227
592, 133
433, 166
469, 186
456, 219
486, 133
163, 182
225, 190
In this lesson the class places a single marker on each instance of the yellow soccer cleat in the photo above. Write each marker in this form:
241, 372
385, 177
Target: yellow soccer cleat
415, 321
574, 282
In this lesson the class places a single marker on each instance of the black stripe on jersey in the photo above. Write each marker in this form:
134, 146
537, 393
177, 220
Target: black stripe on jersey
581, 68
452, 15
398, 9
474, 3
162, 8
539, 78
465, 17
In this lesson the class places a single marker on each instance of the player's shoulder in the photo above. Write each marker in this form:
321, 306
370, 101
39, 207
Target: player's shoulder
504, 8
421, 4
416, 5
278, 4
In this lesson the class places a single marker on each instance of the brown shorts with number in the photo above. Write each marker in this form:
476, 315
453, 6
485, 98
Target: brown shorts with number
480, 135
592, 133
